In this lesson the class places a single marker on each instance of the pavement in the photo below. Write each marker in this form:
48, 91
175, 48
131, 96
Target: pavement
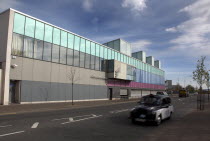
194, 126
41, 107
106, 122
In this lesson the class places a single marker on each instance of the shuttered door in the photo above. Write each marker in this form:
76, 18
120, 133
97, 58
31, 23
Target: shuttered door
123, 92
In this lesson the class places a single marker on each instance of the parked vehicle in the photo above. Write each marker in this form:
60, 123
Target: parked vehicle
183, 93
162, 93
152, 108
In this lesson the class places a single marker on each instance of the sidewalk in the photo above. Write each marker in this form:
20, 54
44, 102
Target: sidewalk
28, 108
193, 127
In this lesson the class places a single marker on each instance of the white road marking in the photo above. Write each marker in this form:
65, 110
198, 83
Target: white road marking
72, 117
5, 126
95, 116
35, 125
119, 111
11, 133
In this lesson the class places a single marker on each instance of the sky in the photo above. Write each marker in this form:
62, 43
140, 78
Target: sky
176, 32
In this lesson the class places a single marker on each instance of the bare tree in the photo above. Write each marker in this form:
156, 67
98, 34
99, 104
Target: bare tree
71, 75
200, 72
207, 77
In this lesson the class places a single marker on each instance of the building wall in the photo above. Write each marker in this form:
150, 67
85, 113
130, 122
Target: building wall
139, 93
46, 81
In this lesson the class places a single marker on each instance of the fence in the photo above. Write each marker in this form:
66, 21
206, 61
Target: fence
202, 100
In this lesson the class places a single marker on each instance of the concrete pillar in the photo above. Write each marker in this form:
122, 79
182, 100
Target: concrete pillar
6, 27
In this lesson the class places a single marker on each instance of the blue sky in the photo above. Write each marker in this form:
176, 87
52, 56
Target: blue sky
177, 32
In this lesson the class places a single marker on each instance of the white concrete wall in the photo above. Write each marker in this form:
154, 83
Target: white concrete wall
6, 27
36, 70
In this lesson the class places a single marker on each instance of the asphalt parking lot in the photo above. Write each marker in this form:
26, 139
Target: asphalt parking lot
104, 123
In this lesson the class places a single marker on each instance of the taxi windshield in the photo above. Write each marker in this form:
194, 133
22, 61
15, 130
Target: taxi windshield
152, 101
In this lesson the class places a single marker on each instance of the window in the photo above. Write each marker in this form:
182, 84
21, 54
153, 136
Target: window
70, 57
56, 36
97, 63
115, 56
109, 54
76, 43
118, 56
92, 63
39, 33
47, 51
29, 27
48, 33
122, 58
105, 53
110, 44
101, 64
93, 49
17, 44
82, 59
38, 49
70, 41
28, 47
117, 45
63, 38
101, 51
97, 50
112, 54
87, 61
19, 23
82, 45
62, 55
55, 53
76, 58
87, 47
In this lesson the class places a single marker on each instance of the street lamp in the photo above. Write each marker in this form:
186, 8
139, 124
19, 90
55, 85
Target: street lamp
208, 85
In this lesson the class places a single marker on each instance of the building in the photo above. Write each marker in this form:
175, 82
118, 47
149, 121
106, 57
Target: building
168, 84
37, 60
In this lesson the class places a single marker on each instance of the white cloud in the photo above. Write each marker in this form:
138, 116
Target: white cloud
87, 5
195, 32
140, 45
135, 5
172, 29
5, 4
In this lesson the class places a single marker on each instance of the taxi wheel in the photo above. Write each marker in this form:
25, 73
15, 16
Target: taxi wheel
159, 120
133, 120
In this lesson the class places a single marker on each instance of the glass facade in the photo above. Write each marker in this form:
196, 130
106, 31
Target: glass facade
38, 40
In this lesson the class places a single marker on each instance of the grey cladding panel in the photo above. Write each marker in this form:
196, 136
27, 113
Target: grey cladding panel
26, 92
32, 91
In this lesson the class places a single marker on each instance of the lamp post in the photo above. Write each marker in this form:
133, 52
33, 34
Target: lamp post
208, 85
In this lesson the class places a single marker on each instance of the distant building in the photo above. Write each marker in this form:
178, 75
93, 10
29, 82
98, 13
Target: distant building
168, 84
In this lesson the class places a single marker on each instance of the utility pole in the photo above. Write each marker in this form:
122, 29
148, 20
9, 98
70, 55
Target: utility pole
208, 88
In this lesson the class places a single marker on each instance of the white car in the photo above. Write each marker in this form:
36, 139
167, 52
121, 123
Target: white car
154, 108
161, 93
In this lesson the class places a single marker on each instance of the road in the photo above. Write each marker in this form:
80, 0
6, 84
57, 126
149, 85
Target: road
104, 123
